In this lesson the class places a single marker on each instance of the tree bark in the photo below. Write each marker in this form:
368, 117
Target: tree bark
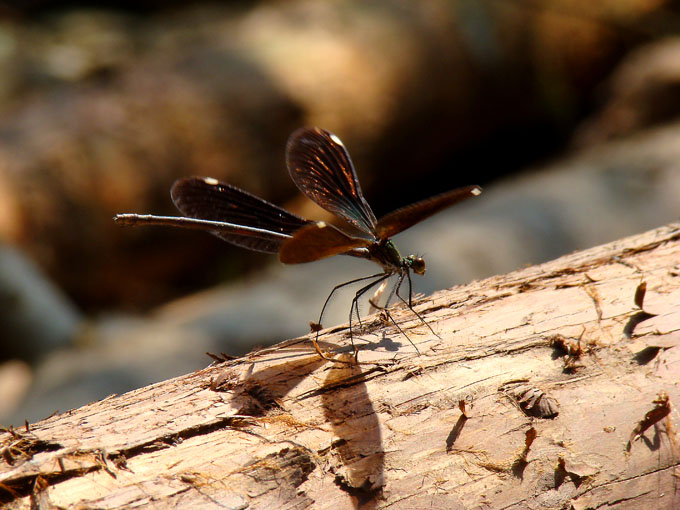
550, 387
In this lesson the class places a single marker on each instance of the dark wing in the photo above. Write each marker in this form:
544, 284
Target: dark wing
405, 217
220, 228
321, 168
318, 241
209, 199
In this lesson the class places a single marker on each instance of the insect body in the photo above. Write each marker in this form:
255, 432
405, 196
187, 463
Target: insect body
321, 168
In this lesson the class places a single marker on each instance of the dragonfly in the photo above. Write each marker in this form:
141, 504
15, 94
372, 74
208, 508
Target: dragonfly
321, 168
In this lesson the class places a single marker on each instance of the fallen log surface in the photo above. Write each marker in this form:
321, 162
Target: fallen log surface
554, 386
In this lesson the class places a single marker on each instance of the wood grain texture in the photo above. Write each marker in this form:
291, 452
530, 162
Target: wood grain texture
554, 395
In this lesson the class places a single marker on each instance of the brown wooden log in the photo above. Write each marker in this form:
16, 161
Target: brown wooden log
554, 386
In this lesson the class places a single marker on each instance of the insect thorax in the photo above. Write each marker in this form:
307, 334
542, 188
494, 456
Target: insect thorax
385, 254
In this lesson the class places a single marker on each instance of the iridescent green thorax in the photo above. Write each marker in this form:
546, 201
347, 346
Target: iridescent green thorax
385, 254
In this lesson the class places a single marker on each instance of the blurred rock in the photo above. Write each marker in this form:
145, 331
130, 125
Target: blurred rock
15, 381
35, 317
102, 110
77, 154
644, 91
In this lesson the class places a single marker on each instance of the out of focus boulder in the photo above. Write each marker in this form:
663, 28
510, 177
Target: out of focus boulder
644, 91
35, 316
100, 111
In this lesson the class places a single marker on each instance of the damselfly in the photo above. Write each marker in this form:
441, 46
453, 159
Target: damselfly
321, 168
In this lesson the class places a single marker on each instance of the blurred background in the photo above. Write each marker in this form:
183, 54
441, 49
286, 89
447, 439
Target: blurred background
566, 112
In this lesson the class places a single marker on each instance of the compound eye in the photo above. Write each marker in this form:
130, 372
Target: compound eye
417, 264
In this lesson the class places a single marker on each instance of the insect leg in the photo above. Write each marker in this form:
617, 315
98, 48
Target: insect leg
323, 309
410, 304
355, 304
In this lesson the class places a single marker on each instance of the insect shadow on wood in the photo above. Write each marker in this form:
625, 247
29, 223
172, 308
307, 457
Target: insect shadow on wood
357, 442
357, 445
261, 391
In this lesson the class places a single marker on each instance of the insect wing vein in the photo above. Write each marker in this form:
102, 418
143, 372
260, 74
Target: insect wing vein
210, 199
321, 168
